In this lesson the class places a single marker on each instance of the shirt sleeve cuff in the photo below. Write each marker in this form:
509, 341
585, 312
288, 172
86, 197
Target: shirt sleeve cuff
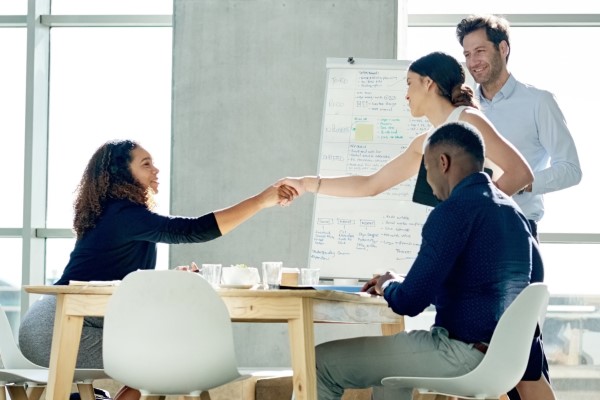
386, 284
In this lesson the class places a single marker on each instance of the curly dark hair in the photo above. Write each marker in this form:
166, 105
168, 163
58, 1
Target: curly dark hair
449, 76
107, 176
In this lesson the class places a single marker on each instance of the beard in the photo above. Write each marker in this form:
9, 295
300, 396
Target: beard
494, 71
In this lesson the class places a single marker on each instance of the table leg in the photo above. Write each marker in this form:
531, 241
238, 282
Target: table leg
16, 392
427, 396
392, 329
65, 346
302, 345
35, 392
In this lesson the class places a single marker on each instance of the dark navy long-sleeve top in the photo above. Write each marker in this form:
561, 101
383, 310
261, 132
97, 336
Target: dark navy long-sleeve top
124, 240
477, 254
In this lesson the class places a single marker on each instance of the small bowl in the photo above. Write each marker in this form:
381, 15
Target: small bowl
240, 276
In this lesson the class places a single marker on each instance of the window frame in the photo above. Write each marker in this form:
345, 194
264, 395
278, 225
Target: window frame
39, 21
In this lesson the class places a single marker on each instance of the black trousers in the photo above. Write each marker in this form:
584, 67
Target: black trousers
537, 358
534, 231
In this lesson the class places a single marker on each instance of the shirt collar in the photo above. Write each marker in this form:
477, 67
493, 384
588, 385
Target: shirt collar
473, 179
505, 91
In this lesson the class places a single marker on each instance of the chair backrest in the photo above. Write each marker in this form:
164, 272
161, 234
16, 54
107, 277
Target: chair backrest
509, 348
168, 332
12, 358
506, 359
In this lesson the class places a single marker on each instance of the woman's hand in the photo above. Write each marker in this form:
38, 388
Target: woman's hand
297, 184
273, 195
191, 268
287, 194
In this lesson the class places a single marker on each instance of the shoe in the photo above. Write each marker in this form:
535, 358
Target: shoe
100, 394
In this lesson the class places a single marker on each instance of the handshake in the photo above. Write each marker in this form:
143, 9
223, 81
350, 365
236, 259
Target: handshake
286, 194
286, 190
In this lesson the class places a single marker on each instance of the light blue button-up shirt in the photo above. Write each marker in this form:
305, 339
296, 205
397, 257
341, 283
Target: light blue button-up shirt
531, 120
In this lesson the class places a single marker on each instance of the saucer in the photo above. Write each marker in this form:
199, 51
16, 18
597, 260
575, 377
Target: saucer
223, 286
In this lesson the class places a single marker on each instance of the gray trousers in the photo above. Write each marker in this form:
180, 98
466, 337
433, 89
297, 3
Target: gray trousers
362, 362
35, 335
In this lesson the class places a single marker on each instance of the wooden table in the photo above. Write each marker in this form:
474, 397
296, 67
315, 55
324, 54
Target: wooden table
299, 308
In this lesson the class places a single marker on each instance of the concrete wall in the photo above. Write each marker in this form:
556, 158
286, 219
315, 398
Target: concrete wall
248, 92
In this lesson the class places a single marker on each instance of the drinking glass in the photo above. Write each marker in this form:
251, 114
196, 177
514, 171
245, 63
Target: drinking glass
271, 271
212, 273
309, 276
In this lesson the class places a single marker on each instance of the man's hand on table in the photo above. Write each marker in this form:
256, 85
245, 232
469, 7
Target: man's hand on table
374, 285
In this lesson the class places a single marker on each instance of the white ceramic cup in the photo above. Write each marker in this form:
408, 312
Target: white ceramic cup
212, 274
271, 271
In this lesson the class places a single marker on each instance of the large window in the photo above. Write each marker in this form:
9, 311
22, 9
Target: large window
545, 55
107, 75
107, 7
12, 124
112, 79
118, 86
440, 7
13, 7
546, 70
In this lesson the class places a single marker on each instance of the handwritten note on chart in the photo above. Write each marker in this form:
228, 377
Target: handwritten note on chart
366, 122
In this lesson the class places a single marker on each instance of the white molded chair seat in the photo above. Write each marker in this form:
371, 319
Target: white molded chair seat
505, 360
18, 370
168, 333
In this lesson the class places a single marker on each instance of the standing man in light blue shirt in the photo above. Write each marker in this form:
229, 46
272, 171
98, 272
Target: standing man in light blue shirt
527, 116
532, 121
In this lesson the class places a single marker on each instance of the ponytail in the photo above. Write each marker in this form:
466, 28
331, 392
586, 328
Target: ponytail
463, 95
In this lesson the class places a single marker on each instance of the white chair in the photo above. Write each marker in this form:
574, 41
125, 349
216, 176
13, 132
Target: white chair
32, 375
168, 333
505, 360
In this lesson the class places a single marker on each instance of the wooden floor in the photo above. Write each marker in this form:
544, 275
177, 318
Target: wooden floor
359, 394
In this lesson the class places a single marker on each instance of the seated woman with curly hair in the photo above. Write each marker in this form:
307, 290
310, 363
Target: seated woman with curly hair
117, 232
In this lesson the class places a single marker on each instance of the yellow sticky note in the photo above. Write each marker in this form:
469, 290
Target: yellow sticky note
363, 133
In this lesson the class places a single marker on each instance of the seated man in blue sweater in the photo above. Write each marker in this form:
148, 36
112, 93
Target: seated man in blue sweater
477, 254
